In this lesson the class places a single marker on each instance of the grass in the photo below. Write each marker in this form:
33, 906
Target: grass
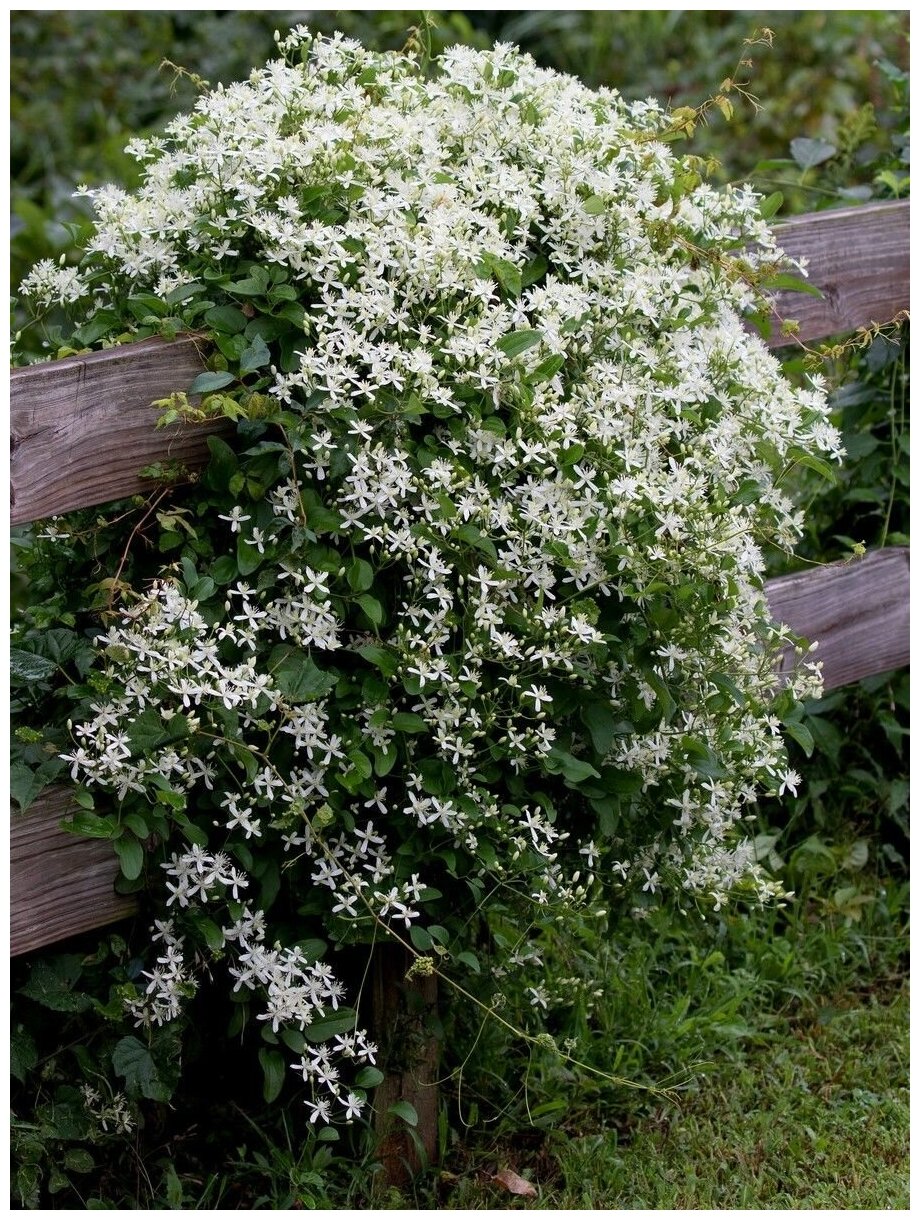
783, 1034
813, 1114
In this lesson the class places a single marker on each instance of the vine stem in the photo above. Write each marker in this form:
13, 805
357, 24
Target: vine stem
896, 434
134, 532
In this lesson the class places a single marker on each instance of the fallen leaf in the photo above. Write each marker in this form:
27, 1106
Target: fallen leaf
515, 1183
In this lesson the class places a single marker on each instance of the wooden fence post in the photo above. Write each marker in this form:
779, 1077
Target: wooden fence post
406, 1027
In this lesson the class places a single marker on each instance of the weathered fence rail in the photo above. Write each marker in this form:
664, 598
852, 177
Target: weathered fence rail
83, 430
858, 257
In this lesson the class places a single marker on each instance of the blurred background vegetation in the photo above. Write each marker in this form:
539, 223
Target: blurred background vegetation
746, 983
83, 83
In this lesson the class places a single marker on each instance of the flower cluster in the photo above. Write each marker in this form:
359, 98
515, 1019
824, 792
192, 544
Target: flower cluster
50, 283
115, 1113
297, 991
496, 619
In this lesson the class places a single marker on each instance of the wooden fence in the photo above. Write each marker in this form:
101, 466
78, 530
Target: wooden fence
83, 428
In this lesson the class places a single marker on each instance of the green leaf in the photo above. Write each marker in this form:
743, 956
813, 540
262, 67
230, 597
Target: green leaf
702, 759
206, 383
256, 356
518, 341
623, 783
420, 939
51, 984
361, 763
92, 825
145, 305
297, 676
248, 557
130, 855
800, 734
293, 1039
827, 737
184, 292
254, 285
601, 723
226, 319
547, 369
146, 731
78, 1160
293, 312
771, 205
786, 282
807, 153
470, 960
200, 591
23, 1054
101, 323
175, 1195
385, 760
267, 328
360, 575
406, 1111
818, 465
210, 932
25, 784
27, 668
748, 492
369, 1078
137, 1067
311, 949
327, 1027
224, 569
474, 537
575, 770
57, 1181
534, 270
595, 206
379, 657
273, 1069
372, 608
222, 466
506, 274
666, 704
409, 722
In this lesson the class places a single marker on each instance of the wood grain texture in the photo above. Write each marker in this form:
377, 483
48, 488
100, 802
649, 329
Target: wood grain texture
859, 258
859, 613
60, 884
82, 428
405, 1026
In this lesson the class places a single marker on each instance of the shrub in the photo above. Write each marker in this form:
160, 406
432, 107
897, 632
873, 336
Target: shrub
465, 635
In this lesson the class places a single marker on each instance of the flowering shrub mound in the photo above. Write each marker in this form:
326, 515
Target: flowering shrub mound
470, 624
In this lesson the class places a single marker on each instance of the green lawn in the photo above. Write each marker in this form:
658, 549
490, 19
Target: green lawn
812, 1115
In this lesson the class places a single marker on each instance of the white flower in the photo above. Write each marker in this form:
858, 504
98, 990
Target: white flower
319, 1110
540, 695
789, 782
525, 479
236, 517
